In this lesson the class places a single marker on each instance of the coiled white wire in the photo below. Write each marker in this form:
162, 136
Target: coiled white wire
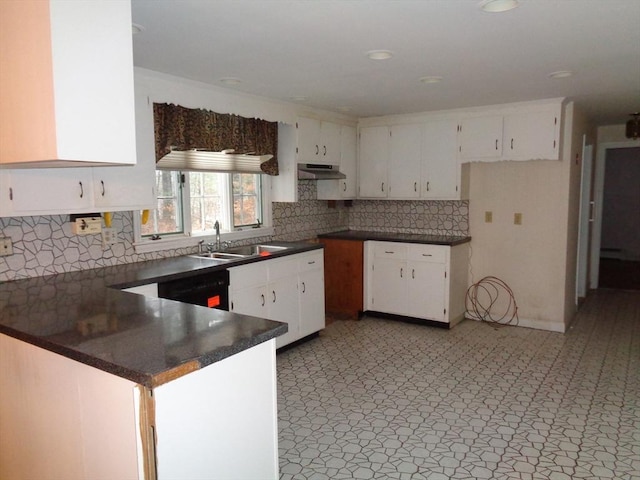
482, 296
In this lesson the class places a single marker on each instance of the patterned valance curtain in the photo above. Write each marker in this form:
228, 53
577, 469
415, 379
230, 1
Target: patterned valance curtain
179, 129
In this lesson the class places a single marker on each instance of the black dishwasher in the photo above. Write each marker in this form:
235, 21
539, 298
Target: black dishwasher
210, 289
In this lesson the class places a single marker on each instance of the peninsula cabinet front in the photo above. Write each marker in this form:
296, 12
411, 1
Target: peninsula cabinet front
62, 419
421, 281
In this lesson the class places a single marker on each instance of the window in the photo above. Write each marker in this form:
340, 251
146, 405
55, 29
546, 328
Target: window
189, 203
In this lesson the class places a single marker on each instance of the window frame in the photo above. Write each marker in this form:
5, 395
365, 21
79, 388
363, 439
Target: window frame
188, 239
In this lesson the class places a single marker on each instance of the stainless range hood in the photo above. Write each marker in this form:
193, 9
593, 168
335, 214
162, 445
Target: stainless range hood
314, 171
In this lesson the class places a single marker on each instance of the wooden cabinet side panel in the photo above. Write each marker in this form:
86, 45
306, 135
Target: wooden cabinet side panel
343, 272
27, 111
62, 419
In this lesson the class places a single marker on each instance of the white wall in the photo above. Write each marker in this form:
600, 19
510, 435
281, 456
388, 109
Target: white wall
536, 259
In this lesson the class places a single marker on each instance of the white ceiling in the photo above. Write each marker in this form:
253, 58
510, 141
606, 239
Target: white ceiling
316, 48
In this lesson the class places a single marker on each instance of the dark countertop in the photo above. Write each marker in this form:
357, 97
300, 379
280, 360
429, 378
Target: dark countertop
84, 316
362, 235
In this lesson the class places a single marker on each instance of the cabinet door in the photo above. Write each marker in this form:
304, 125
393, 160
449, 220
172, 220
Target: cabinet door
311, 294
426, 290
372, 165
440, 167
345, 188
404, 161
388, 286
481, 137
282, 302
308, 140
329, 143
531, 135
45, 191
249, 301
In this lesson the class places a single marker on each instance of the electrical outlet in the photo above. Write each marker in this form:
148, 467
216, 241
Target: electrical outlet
517, 219
488, 217
109, 236
6, 247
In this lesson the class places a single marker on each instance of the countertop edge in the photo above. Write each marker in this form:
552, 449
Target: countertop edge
363, 235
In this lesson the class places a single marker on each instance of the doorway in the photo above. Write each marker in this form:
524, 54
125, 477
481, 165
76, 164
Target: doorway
618, 261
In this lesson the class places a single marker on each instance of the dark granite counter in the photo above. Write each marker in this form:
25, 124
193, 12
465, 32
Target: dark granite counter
85, 316
361, 235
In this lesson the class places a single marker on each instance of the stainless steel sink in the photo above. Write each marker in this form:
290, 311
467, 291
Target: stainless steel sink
237, 253
253, 250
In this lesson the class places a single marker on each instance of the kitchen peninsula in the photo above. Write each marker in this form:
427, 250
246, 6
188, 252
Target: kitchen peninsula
98, 382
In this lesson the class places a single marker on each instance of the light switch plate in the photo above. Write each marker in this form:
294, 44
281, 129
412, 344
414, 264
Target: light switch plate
6, 247
109, 236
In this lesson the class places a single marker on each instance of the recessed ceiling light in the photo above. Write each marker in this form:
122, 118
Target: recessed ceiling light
379, 54
230, 81
498, 6
136, 28
430, 79
561, 74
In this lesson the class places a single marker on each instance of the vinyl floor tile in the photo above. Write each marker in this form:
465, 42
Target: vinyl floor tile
380, 399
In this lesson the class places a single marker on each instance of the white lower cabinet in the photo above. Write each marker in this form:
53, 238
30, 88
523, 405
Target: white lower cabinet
416, 280
288, 289
62, 419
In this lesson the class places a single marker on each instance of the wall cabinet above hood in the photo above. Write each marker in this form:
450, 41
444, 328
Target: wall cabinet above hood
66, 73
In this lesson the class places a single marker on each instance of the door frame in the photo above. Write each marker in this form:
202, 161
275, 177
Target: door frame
585, 221
596, 236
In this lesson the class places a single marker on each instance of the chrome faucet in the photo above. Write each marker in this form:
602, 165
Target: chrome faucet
217, 227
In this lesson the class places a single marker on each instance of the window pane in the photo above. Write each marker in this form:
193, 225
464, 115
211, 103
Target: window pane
207, 200
247, 208
167, 217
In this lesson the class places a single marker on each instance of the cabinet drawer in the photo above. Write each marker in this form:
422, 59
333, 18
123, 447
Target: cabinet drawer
390, 250
248, 275
427, 253
282, 267
311, 261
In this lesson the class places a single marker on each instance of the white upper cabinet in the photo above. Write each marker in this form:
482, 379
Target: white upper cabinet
532, 135
410, 161
318, 142
404, 161
481, 137
51, 191
69, 69
440, 167
518, 132
343, 189
373, 159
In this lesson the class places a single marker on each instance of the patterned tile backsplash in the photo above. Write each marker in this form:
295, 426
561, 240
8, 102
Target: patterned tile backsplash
45, 245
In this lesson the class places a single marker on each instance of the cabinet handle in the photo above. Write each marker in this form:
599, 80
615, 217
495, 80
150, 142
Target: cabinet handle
428, 186
304, 287
81, 190
389, 251
413, 273
401, 269
274, 295
512, 144
382, 187
262, 295
427, 255
10, 193
324, 147
415, 186
311, 262
344, 186
102, 184
496, 144
317, 149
